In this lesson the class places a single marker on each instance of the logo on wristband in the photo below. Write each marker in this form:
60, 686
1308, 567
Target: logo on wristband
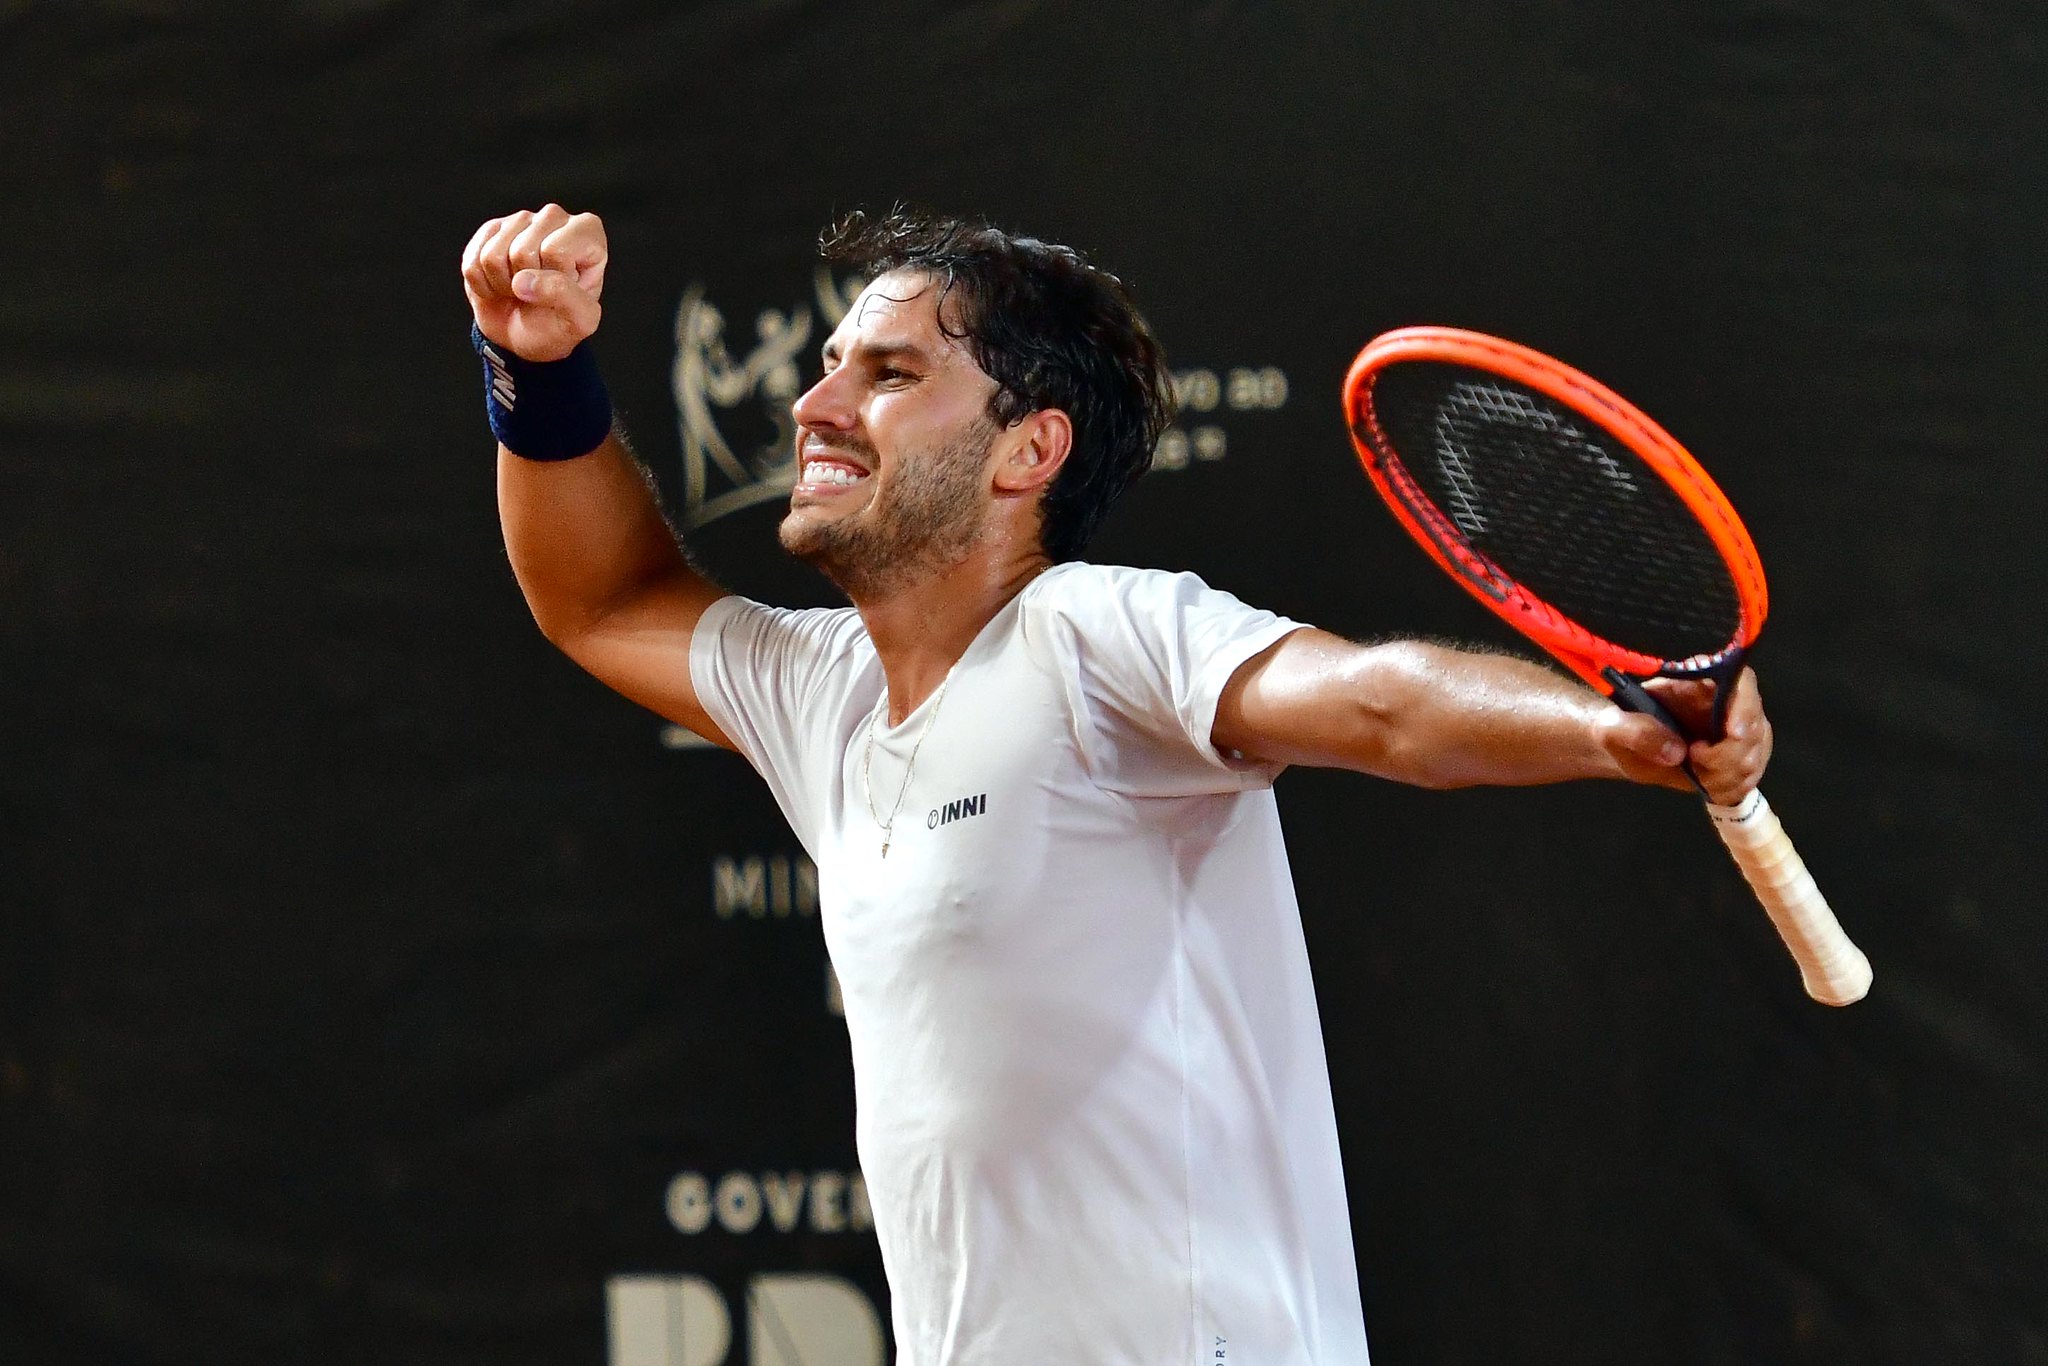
502, 387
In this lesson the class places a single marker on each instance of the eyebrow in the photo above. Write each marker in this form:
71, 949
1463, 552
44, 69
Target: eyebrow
883, 350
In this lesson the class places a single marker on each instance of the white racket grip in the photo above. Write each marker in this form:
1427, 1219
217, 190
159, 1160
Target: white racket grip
1835, 971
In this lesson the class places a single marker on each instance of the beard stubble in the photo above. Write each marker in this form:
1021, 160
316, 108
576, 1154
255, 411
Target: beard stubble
922, 524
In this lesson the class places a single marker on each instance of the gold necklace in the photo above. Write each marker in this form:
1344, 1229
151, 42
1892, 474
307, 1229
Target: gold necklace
868, 756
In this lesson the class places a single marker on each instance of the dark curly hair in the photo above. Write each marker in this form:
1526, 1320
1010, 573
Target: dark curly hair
1051, 330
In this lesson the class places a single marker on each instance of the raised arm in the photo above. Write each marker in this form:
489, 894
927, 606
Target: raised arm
601, 568
1440, 717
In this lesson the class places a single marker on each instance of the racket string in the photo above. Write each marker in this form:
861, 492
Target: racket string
1560, 506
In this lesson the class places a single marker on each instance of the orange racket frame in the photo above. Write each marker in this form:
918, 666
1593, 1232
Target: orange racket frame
1584, 653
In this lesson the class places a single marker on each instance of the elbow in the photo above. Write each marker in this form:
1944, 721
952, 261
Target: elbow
559, 636
570, 620
559, 627
569, 631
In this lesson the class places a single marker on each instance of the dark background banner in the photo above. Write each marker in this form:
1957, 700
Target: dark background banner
376, 987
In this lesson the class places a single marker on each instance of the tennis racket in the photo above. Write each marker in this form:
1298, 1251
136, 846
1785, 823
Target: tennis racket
1587, 528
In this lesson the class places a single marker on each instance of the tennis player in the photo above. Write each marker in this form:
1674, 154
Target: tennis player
1093, 1109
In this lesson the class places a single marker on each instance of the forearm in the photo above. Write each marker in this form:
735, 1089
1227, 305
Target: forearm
584, 535
1423, 714
1441, 717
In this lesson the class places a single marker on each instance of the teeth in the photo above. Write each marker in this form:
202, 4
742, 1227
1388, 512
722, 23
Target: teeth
831, 474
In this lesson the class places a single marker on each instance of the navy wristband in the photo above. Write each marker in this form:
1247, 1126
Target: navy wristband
544, 410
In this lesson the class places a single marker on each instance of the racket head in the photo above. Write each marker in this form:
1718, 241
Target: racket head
1558, 504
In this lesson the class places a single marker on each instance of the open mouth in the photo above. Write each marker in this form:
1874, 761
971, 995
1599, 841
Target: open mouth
822, 473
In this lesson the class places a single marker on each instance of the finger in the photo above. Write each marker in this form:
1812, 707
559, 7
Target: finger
1723, 760
524, 252
476, 242
1745, 705
553, 289
578, 249
590, 266
1730, 769
1648, 740
473, 283
1691, 700
1727, 788
492, 256
1746, 731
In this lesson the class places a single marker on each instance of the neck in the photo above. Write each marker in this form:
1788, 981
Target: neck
921, 628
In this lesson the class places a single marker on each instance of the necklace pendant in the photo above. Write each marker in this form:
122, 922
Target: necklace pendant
867, 760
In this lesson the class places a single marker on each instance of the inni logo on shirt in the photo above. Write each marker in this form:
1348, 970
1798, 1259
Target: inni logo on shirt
953, 811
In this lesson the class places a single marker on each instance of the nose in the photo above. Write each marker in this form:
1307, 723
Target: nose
827, 405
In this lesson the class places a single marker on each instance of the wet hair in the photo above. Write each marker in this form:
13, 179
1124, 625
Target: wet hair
1051, 330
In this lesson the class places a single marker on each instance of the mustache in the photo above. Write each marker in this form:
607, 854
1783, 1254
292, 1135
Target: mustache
861, 451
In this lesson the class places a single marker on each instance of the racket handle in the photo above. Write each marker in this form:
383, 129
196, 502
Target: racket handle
1835, 971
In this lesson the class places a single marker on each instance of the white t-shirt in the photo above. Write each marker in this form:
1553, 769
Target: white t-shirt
1093, 1108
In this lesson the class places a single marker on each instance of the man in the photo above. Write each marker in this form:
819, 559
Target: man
1094, 1112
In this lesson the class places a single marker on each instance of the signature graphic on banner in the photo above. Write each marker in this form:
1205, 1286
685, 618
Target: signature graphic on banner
710, 384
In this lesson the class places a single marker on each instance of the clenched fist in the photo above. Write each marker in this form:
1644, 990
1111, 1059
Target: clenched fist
534, 279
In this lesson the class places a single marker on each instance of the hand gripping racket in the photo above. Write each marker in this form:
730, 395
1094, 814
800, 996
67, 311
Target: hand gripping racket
1584, 526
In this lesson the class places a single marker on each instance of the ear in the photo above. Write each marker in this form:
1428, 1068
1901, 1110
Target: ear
1033, 451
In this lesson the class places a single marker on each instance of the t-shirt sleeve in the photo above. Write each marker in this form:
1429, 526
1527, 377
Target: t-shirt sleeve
1146, 654
773, 679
